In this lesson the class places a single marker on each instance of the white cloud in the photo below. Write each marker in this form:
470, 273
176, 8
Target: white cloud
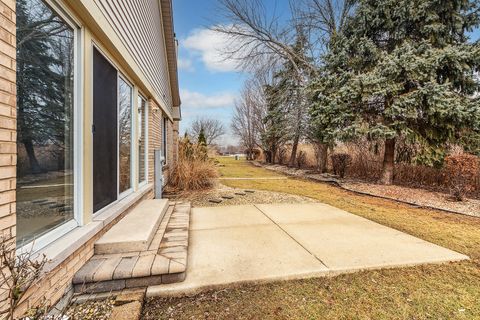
192, 99
185, 64
210, 45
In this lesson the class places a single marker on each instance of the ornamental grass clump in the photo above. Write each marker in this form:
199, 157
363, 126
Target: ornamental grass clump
193, 170
461, 173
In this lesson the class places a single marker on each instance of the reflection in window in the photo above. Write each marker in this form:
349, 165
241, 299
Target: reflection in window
125, 127
142, 123
45, 120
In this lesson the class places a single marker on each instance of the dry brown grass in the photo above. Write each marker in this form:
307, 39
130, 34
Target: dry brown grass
188, 175
193, 170
305, 153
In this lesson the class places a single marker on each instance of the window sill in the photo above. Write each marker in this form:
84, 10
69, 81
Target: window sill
59, 250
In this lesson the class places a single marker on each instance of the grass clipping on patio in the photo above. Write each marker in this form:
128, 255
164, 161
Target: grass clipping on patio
193, 170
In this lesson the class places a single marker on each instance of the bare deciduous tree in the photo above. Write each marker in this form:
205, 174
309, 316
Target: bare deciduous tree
257, 38
212, 128
261, 41
244, 119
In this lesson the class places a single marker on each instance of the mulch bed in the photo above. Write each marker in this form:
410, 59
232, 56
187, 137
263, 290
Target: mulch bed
416, 196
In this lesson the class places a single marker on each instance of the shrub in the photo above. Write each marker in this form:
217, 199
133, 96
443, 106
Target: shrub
340, 162
257, 154
193, 170
366, 163
301, 159
461, 173
282, 156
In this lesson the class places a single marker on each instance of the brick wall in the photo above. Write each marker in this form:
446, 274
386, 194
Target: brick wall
155, 122
7, 127
57, 282
154, 136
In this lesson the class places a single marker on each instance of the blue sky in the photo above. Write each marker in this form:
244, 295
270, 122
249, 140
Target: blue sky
207, 89
208, 83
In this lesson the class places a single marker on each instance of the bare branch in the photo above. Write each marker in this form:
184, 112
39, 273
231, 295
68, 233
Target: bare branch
213, 129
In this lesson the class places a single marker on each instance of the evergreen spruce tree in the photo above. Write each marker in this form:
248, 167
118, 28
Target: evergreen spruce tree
202, 140
202, 145
403, 68
292, 80
275, 121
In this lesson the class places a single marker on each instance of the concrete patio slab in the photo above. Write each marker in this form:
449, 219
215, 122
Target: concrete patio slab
344, 241
227, 217
247, 253
256, 243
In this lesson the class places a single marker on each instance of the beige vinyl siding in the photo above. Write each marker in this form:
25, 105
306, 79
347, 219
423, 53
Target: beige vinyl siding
138, 24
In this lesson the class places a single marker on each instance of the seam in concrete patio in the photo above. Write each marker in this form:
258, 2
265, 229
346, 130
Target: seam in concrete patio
235, 245
285, 231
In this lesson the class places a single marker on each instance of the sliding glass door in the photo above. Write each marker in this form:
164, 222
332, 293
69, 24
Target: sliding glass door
105, 134
112, 133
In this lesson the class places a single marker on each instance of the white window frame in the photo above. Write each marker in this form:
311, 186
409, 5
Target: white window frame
133, 161
78, 85
165, 139
145, 126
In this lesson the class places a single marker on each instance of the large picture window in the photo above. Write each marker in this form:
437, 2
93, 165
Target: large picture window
45, 108
125, 134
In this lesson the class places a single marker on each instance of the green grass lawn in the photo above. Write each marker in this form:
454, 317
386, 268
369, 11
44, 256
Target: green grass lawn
242, 169
449, 291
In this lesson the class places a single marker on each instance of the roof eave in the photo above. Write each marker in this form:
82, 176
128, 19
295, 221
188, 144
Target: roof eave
171, 49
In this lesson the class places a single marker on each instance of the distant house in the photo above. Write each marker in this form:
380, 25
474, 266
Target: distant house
88, 91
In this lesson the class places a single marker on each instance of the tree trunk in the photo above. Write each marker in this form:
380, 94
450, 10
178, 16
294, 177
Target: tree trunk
293, 155
322, 154
34, 165
273, 155
249, 155
388, 162
268, 156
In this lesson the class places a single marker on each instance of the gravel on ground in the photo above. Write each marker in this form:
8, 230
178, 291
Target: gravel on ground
91, 310
202, 198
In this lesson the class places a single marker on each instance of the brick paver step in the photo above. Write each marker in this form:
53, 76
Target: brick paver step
164, 261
